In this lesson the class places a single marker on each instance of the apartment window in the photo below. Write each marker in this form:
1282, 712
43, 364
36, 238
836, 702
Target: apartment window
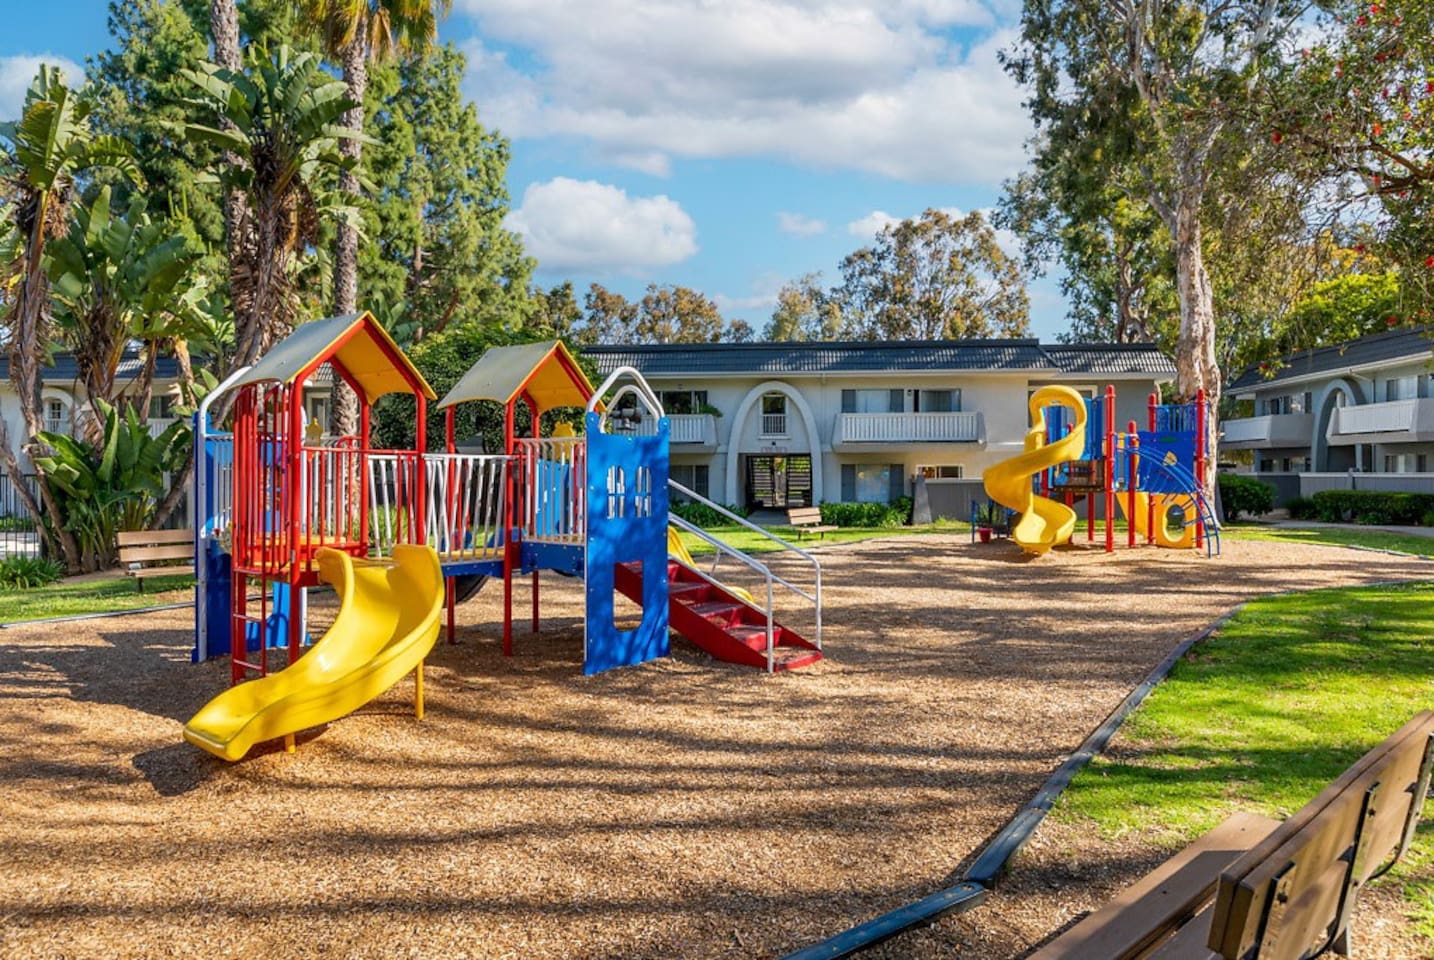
872, 401
161, 407
938, 401
774, 415
872, 482
55, 410
693, 476
1421, 463
1401, 388
1295, 464
317, 408
1265, 466
1277, 406
1405, 463
950, 471
683, 401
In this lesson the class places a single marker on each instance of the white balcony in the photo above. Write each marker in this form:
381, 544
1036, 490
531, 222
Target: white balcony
860, 430
157, 425
1393, 421
694, 429
774, 424
1273, 430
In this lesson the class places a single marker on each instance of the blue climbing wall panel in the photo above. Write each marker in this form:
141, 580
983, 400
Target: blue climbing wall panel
627, 522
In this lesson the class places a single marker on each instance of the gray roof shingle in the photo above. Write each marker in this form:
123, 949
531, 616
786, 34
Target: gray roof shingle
862, 356
63, 369
1378, 347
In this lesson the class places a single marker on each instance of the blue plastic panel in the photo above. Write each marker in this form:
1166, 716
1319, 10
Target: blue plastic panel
627, 521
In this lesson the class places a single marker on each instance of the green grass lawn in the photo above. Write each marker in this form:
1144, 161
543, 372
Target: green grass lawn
1343, 537
69, 597
1265, 714
749, 542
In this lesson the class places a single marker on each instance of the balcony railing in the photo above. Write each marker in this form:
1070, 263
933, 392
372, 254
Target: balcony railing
774, 424
693, 428
1412, 418
1272, 430
963, 427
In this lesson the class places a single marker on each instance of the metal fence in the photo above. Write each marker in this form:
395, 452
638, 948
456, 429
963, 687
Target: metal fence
17, 530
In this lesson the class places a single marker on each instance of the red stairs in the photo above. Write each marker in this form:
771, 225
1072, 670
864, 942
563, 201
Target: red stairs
719, 622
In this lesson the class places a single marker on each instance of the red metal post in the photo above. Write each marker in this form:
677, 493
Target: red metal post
450, 445
365, 493
1153, 418
1110, 455
508, 539
293, 397
1133, 439
1090, 517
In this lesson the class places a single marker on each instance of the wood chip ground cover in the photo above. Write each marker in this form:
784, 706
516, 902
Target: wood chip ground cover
682, 808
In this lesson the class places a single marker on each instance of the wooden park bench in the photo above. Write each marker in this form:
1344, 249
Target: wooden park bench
1256, 889
151, 553
808, 520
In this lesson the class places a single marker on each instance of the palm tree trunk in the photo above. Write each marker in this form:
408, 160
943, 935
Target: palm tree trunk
344, 411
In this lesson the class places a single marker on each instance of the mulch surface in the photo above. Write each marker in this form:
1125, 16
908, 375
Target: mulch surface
681, 808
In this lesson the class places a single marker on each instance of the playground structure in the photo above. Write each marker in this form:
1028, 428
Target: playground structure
1154, 477
280, 510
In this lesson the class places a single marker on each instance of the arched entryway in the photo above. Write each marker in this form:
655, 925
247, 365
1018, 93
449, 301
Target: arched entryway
1339, 392
774, 432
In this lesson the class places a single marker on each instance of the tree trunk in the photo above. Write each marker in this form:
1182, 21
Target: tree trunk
177, 490
1195, 363
186, 373
344, 411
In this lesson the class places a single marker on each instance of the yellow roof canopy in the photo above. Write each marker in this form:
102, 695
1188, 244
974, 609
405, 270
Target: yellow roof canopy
355, 342
545, 371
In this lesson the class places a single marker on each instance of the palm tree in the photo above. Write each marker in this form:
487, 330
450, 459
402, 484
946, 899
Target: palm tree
280, 120
355, 32
44, 151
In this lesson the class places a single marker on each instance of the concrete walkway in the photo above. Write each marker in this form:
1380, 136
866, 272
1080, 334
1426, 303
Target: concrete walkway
1315, 525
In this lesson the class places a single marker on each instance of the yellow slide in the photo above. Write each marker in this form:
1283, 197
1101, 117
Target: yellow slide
1044, 522
1164, 503
677, 550
389, 615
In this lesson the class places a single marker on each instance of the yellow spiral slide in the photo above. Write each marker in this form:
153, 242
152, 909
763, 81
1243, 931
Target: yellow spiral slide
1044, 522
388, 620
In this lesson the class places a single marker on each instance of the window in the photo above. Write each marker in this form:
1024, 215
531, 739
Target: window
938, 401
1266, 466
1276, 406
1421, 463
952, 471
774, 415
1404, 463
317, 408
161, 407
871, 401
693, 476
55, 410
872, 482
1401, 388
683, 401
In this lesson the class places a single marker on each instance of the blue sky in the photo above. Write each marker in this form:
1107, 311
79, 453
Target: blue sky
728, 145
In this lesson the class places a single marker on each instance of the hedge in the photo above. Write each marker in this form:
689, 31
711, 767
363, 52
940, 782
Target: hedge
701, 515
894, 514
1242, 495
1374, 507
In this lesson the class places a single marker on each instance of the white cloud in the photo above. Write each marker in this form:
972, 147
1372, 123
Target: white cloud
799, 224
584, 225
17, 72
832, 83
652, 162
873, 223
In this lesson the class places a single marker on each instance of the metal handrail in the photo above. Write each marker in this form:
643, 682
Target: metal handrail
815, 597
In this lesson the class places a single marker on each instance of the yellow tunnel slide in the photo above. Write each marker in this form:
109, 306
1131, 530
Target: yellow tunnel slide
1044, 523
388, 620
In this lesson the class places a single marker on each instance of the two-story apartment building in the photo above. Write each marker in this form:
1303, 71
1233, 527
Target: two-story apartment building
1359, 414
784, 424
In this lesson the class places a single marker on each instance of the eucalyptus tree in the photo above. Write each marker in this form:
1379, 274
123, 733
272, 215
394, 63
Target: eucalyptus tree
355, 33
41, 155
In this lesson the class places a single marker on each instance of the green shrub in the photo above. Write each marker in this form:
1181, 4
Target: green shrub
1373, 507
16, 524
701, 515
25, 573
1428, 519
1302, 508
1245, 496
894, 514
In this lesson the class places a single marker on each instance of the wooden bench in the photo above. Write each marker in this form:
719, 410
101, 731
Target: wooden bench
808, 520
1256, 889
149, 553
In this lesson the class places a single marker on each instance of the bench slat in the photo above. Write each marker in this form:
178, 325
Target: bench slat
1188, 942
144, 538
175, 551
1149, 910
162, 572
